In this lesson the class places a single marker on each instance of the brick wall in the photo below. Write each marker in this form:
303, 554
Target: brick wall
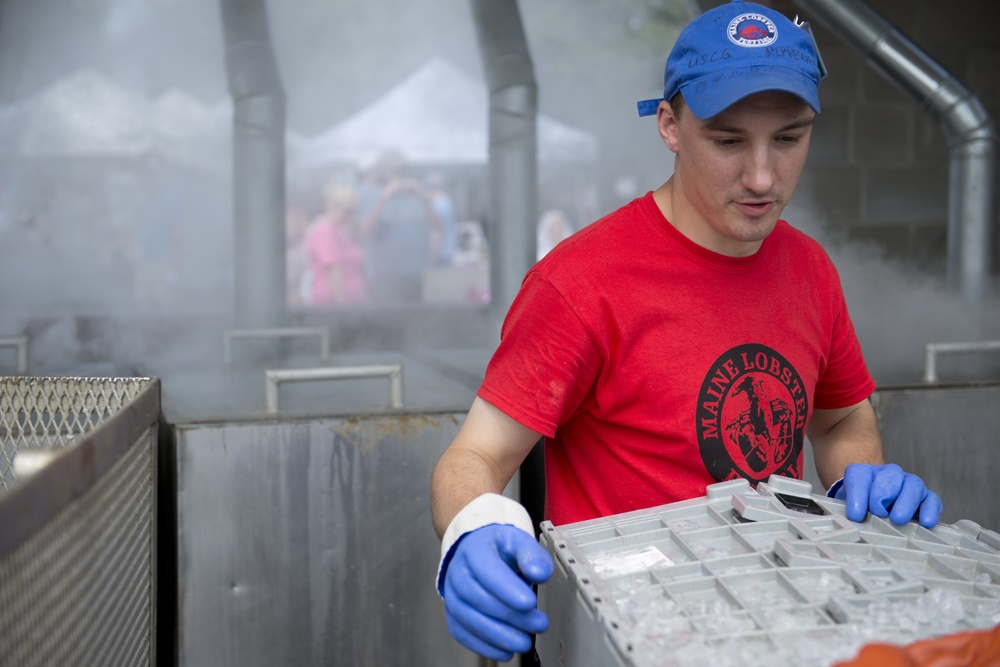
878, 169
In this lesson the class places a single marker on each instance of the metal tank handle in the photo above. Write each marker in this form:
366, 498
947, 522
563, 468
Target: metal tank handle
933, 349
277, 332
21, 343
273, 378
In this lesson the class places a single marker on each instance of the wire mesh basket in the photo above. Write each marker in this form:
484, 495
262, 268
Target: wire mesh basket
77, 535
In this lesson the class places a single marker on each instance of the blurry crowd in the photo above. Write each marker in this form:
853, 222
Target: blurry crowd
391, 236
374, 239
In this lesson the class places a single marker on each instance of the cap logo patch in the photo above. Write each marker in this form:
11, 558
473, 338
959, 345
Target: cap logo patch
752, 30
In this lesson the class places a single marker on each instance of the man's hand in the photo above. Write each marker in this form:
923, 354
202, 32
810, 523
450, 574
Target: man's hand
887, 491
489, 603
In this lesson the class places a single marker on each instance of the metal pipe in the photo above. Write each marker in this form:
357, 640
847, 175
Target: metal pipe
273, 378
972, 137
21, 344
258, 165
933, 349
513, 147
278, 332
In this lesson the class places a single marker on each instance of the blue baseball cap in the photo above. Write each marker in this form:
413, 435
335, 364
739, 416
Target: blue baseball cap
736, 50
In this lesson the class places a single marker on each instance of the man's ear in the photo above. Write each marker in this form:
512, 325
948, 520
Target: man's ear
666, 121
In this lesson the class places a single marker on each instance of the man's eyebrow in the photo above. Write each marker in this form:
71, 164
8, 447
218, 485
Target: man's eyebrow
796, 124
717, 125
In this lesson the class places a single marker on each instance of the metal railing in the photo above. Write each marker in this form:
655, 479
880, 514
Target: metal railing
21, 343
279, 332
274, 378
934, 349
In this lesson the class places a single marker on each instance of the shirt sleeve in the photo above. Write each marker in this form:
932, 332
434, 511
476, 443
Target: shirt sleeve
846, 379
543, 371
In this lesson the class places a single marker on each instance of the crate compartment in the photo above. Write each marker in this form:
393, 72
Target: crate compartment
986, 574
726, 625
950, 534
763, 589
592, 532
981, 556
630, 582
819, 584
687, 519
860, 555
619, 543
965, 567
639, 525
656, 577
931, 547
745, 564
621, 562
792, 618
882, 532
646, 602
917, 532
761, 536
981, 613
691, 570
887, 579
705, 597
829, 529
976, 547
713, 543
919, 564
801, 553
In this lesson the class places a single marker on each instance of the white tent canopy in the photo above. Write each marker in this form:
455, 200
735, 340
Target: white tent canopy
186, 130
85, 114
89, 115
437, 116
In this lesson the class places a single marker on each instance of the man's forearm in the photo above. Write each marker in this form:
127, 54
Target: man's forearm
460, 476
840, 438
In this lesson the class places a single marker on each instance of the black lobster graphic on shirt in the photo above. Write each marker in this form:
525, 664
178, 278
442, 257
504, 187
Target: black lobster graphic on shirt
763, 431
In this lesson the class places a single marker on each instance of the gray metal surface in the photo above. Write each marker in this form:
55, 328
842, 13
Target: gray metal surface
972, 137
433, 381
309, 542
77, 537
948, 436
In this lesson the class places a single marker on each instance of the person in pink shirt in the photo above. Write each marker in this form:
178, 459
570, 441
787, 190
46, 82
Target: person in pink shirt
336, 261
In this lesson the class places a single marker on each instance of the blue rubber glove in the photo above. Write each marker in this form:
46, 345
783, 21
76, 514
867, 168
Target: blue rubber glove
887, 491
488, 600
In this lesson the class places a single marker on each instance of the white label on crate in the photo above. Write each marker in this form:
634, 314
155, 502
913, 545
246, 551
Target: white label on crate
629, 562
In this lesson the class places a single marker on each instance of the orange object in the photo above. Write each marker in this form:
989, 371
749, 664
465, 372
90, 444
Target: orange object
965, 649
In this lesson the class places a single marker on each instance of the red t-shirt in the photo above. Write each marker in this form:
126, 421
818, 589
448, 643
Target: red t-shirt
655, 367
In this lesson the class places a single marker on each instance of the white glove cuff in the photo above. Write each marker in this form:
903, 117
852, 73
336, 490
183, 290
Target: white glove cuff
484, 510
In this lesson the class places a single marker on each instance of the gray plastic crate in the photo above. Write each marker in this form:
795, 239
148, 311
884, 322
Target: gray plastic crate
741, 577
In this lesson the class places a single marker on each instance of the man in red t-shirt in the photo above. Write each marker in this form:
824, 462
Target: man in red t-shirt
688, 338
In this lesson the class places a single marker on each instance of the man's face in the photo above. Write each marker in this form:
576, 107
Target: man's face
734, 173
